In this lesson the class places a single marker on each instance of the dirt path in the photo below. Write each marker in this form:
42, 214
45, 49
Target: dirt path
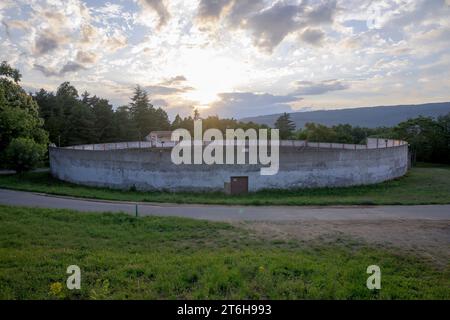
429, 239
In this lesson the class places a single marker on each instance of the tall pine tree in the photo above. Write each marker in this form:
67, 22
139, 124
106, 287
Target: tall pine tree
145, 117
141, 112
285, 125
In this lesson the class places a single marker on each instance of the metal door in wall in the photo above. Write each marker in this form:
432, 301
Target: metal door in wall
239, 185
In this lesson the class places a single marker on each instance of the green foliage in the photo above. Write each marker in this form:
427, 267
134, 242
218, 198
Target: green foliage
142, 112
285, 125
429, 138
67, 91
72, 120
18, 115
317, 133
51, 111
145, 116
100, 291
24, 154
80, 126
101, 120
19, 118
8, 71
124, 126
213, 122
342, 133
177, 122
67, 119
122, 257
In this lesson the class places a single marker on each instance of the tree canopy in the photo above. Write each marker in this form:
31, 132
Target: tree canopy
20, 124
285, 125
8, 71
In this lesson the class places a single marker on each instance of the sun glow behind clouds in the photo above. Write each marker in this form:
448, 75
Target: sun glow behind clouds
210, 74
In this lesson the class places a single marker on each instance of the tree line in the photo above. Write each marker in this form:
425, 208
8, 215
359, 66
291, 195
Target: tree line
428, 138
71, 119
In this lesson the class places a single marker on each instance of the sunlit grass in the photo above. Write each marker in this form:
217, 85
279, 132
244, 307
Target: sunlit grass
171, 258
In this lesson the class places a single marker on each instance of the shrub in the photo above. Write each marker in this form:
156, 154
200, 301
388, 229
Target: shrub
24, 154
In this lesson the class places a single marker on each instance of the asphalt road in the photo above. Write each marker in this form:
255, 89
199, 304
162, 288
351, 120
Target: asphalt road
230, 213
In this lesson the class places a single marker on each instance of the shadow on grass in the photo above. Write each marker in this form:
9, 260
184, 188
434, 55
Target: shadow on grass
425, 184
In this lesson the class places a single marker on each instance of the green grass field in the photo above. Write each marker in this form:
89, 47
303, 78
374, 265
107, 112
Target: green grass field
122, 257
427, 184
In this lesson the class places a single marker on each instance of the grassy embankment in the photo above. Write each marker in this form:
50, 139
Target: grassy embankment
166, 258
426, 184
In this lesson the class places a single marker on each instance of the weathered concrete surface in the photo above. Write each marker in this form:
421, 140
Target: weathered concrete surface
233, 213
300, 167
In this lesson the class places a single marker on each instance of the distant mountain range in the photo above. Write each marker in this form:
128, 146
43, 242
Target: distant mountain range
370, 117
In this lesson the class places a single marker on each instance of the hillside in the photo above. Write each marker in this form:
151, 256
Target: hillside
364, 117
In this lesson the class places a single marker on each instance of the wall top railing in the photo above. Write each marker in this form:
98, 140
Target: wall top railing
372, 143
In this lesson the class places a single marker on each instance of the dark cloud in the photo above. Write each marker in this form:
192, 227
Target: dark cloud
243, 9
174, 80
317, 88
312, 36
248, 104
46, 71
322, 14
211, 9
54, 18
238, 11
271, 26
45, 43
171, 86
159, 7
164, 90
69, 67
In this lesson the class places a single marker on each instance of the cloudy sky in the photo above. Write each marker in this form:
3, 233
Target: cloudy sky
234, 58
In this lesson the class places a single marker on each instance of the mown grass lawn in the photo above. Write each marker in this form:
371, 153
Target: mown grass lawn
122, 257
426, 184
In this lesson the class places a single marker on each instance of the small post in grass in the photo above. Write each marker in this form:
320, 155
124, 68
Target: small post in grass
137, 214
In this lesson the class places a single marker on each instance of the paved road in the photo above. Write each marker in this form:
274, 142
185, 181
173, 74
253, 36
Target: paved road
230, 213
5, 172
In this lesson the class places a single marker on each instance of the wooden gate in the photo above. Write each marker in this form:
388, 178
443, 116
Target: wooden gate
239, 185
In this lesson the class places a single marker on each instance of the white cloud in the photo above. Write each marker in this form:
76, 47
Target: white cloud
317, 88
248, 103
158, 7
225, 53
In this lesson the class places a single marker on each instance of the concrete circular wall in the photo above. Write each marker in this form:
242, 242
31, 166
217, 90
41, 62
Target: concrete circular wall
302, 165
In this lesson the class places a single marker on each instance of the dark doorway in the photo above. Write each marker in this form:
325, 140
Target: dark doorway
239, 185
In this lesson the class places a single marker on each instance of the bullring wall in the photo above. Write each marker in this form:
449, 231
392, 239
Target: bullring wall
300, 167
